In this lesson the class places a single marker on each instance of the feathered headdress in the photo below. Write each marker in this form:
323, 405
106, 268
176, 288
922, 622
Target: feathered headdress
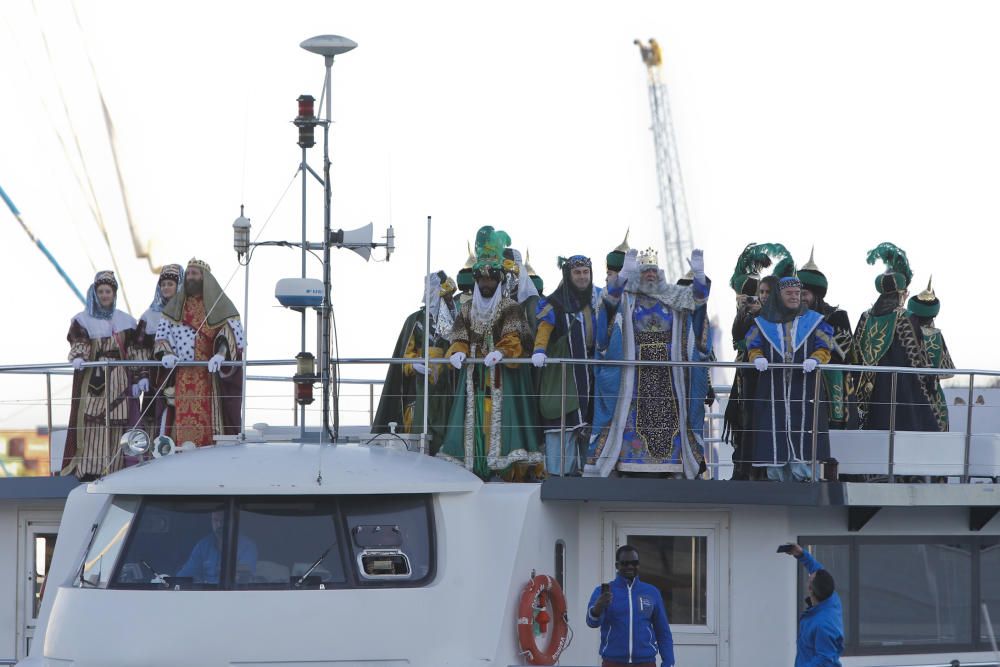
785, 268
755, 258
490, 244
897, 274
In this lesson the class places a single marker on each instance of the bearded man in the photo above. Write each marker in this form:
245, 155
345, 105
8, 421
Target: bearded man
491, 427
652, 429
567, 328
784, 400
201, 324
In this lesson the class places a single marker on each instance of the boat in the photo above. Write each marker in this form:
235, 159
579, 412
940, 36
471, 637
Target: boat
363, 550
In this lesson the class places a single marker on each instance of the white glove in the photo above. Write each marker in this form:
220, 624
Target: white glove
697, 264
760, 363
77, 363
135, 391
492, 359
457, 360
169, 360
215, 363
631, 262
538, 359
143, 384
809, 365
419, 367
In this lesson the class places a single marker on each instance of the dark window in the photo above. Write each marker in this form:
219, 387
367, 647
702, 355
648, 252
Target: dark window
288, 544
279, 543
391, 538
911, 594
560, 568
677, 565
175, 543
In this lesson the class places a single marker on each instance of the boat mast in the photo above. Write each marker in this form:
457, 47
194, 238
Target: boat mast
678, 239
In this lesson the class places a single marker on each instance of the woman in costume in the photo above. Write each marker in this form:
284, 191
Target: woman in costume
155, 383
101, 332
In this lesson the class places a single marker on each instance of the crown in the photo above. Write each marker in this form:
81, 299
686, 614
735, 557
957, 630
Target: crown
472, 257
171, 272
106, 278
928, 294
200, 264
527, 264
648, 257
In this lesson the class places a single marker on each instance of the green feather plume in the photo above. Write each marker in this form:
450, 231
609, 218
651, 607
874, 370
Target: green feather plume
755, 258
893, 257
785, 268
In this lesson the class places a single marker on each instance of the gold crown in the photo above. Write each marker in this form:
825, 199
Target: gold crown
623, 246
648, 257
928, 294
200, 264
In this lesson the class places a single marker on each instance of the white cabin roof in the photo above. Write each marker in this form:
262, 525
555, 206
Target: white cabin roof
289, 469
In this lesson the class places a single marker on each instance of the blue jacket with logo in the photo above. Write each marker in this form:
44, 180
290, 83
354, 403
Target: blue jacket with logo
821, 627
634, 627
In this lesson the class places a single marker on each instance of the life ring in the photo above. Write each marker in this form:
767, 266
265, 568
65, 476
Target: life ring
541, 592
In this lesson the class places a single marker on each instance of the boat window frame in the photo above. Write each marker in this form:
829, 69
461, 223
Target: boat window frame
852, 643
353, 577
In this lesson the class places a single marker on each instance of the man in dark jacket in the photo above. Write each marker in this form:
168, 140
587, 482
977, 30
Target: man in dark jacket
631, 616
821, 625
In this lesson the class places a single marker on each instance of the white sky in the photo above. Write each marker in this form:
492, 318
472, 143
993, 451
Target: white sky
841, 125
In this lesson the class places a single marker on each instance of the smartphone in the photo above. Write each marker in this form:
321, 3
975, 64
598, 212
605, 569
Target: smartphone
605, 588
785, 548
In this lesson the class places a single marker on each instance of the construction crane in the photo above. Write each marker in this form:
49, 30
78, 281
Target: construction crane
678, 240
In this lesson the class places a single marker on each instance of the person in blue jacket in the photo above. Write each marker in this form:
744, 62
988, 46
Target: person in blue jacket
631, 616
821, 625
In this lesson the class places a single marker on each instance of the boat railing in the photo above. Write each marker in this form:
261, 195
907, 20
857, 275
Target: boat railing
714, 437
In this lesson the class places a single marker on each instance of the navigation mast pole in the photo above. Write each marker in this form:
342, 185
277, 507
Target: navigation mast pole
327, 46
678, 239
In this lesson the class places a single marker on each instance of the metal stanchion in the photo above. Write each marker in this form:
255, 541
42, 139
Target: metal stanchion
892, 429
107, 409
48, 402
371, 404
968, 430
562, 418
815, 428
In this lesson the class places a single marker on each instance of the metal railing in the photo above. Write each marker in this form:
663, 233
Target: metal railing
712, 418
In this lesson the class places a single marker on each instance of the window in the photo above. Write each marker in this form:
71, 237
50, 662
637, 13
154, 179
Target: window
95, 572
560, 566
288, 543
677, 565
911, 594
277, 543
177, 543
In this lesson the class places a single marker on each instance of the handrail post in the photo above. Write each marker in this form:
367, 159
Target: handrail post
892, 429
815, 427
371, 404
48, 402
107, 408
968, 430
562, 419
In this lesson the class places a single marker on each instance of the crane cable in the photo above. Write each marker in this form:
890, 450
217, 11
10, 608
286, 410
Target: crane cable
99, 217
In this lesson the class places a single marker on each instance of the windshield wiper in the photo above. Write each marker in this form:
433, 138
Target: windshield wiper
312, 567
157, 577
83, 565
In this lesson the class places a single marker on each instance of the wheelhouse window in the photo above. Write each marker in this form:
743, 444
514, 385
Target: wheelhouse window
262, 542
106, 543
288, 544
912, 594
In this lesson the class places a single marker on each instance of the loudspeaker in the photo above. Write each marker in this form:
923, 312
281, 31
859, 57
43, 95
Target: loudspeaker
359, 240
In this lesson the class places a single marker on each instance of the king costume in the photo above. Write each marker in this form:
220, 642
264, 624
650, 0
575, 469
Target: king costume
925, 307
98, 334
784, 400
155, 383
887, 335
652, 429
492, 426
202, 327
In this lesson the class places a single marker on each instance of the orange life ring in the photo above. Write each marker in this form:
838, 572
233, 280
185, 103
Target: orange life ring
537, 595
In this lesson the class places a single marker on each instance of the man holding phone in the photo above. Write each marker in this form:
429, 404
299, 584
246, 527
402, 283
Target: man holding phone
631, 616
821, 625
